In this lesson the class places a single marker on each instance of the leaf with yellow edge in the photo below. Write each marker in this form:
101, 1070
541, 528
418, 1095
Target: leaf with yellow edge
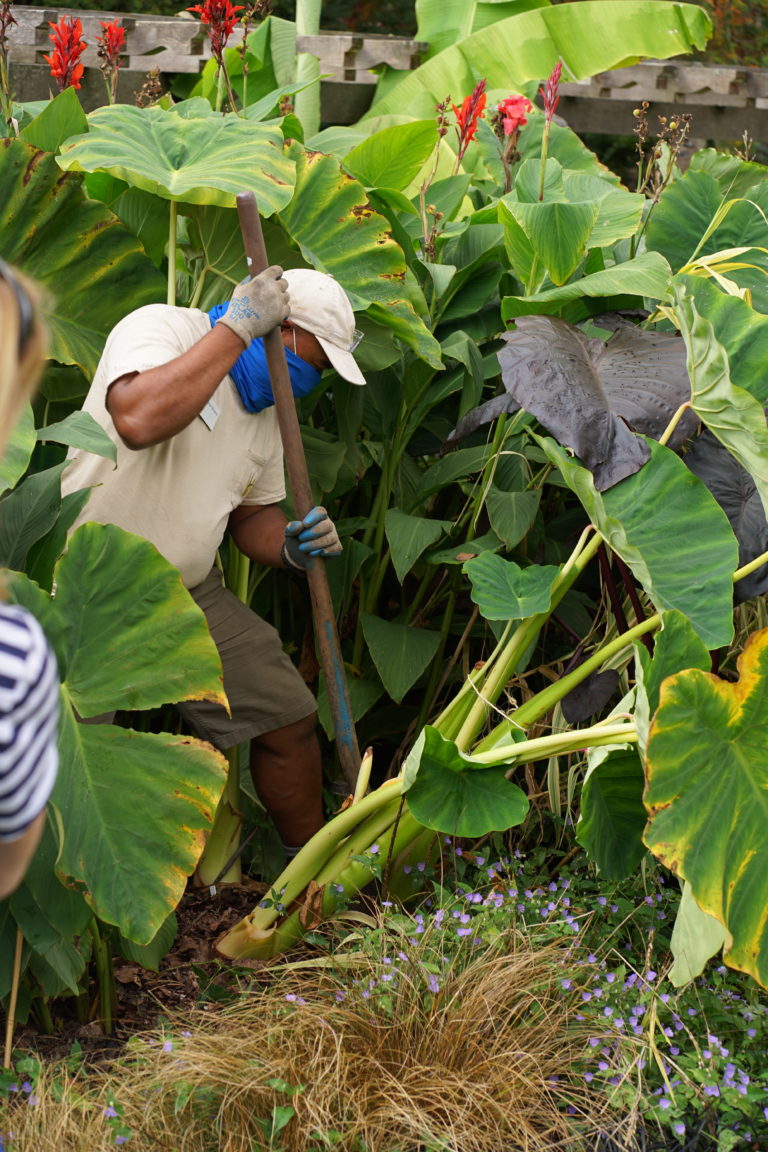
707, 797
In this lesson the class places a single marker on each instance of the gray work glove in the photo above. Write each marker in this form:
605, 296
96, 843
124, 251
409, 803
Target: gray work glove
315, 535
258, 305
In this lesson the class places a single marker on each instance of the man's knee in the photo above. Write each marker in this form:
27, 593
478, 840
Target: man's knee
284, 739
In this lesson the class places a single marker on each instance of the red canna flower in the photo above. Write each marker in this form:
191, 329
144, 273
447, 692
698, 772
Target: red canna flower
6, 19
111, 43
221, 17
68, 47
472, 108
549, 92
513, 113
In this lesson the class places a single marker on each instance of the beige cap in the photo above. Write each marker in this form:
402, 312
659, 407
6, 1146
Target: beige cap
319, 304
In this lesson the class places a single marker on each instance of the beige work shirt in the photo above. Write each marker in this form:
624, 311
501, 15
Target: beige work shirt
177, 494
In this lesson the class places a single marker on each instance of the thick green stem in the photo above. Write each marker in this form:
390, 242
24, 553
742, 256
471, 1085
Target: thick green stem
224, 837
520, 641
544, 150
557, 744
171, 295
318, 851
246, 941
104, 975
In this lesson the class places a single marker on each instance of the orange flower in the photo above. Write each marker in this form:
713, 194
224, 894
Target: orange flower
472, 108
68, 47
221, 17
514, 113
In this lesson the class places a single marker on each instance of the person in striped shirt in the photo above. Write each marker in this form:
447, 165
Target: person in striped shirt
29, 681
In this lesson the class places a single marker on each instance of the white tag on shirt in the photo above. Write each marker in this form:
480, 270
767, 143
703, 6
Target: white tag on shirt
210, 414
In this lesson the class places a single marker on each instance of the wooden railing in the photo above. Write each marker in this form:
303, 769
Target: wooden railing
724, 101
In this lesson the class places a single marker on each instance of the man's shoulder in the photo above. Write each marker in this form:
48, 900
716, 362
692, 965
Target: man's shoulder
163, 320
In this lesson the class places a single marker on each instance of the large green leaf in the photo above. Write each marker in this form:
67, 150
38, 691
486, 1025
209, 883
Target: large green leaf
741, 330
558, 233
645, 275
685, 212
707, 795
589, 37
409, 536
61, 118
400, 653
503, 590
392, 157
80, 430
111, 587
197, 158
441, 23
92, 269
450, 796
50, 915
18, 451
734, 415
338, 232
612, 816
134, 806
676, 646
27, 513
512, 513
667, 527
696, 938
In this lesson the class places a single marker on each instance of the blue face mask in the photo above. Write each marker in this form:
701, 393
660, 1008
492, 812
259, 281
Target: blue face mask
251, 375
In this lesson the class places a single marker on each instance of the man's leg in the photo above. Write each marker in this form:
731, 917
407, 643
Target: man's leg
271, 707
288, 777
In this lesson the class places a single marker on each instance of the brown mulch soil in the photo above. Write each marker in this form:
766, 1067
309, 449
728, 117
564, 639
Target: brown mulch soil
189, 974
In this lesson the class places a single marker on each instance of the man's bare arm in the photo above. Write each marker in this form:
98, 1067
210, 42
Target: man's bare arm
149, 407
259, 532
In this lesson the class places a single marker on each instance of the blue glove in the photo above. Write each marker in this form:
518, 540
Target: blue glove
315, 535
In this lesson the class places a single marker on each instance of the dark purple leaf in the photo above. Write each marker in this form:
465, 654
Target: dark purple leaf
735, 491
592, 396
590, 697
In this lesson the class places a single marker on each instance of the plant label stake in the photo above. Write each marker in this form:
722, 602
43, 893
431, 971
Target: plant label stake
298, 479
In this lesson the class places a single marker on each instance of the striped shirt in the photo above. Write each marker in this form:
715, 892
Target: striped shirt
29, 711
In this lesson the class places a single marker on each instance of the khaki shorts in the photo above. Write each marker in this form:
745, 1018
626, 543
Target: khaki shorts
264, 689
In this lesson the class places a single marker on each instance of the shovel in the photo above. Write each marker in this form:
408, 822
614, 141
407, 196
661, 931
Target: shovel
298, 479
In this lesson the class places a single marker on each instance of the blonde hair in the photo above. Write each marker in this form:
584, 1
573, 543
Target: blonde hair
20, 366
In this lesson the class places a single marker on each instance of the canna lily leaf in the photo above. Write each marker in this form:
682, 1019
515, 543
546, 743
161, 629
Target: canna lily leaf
557, 233
667, 527
185, 155
394, 156
647, 275
586, 392
18, 451
707, 796
590, 37
449, 795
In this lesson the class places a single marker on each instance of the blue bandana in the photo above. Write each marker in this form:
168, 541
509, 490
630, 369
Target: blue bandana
251, 375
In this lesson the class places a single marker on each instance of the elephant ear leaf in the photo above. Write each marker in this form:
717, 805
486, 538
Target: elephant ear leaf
707, 797
737, 494
593, 395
